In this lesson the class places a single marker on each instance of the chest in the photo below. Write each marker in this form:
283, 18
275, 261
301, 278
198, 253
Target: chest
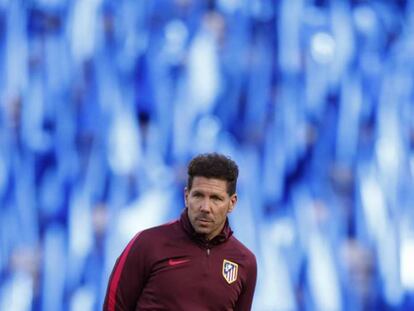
187, 275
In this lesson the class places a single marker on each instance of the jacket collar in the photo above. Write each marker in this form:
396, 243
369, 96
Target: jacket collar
222, 237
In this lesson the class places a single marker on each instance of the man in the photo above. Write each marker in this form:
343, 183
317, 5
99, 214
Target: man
194, 263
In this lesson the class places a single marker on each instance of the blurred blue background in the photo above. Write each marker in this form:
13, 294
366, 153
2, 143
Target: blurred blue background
103, 103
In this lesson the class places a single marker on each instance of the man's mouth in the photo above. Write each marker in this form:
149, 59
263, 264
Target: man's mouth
204, 220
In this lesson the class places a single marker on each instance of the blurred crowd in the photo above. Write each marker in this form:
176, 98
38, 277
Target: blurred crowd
103, 103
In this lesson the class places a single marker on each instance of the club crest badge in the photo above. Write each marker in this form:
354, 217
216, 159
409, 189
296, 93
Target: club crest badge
230, 270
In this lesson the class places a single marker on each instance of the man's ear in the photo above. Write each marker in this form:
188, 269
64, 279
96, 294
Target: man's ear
233, 201
186, 196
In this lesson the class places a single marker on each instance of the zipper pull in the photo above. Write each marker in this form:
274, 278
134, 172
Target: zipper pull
208, 252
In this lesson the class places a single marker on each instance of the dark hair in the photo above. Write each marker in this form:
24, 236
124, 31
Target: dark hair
214, 165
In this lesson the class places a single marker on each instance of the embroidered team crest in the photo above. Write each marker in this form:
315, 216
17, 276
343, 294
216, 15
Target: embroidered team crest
230, 270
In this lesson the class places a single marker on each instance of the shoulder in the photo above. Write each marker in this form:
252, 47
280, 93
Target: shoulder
146, 243
244, 252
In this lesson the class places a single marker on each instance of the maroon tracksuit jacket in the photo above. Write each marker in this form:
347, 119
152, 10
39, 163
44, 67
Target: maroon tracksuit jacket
170, 267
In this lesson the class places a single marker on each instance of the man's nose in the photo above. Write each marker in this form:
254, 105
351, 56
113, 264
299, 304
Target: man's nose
205, 206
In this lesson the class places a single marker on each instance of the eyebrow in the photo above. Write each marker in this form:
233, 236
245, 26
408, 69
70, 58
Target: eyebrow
213, 195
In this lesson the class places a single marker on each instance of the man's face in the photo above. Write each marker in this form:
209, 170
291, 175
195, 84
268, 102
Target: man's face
208, 204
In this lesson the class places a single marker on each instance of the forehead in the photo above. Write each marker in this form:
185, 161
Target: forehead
209, 184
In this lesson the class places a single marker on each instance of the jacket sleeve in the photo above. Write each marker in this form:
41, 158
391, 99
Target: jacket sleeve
244, 302
128, 277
